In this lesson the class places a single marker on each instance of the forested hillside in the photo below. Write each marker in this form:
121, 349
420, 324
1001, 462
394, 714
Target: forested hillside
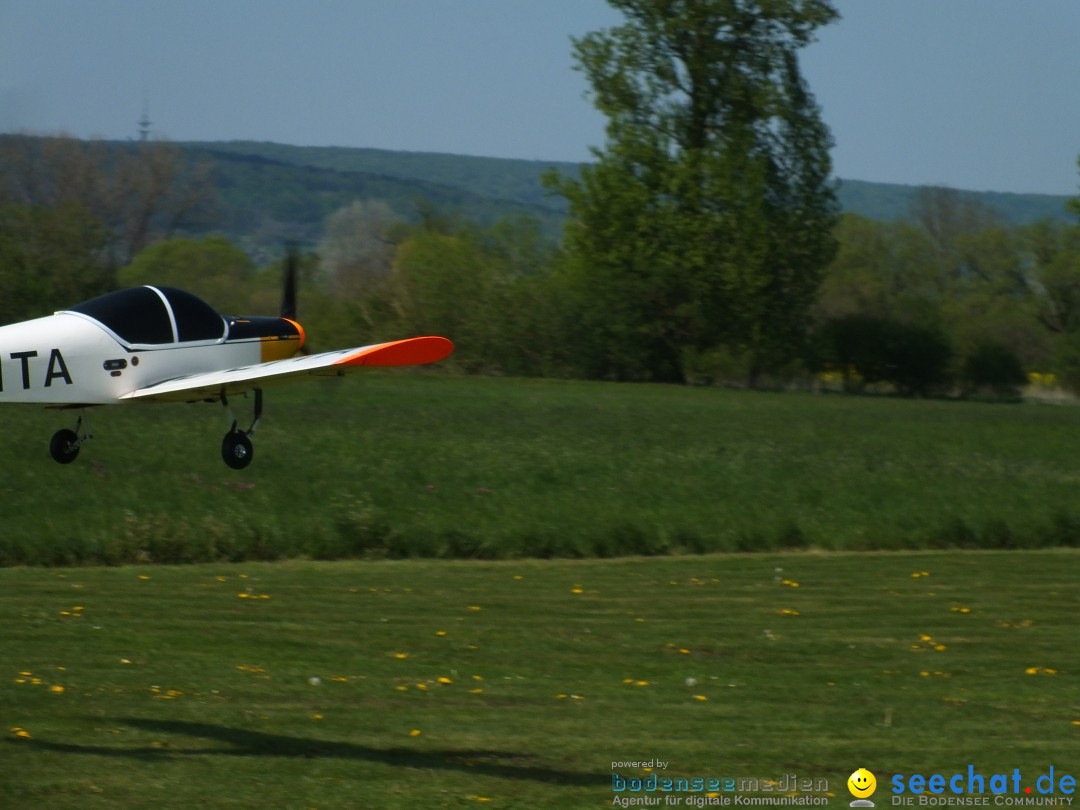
268, 191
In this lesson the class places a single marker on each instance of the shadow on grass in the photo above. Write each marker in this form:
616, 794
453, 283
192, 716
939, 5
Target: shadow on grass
502, 764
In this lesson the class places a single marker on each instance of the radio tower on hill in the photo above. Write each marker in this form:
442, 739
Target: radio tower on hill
144, 122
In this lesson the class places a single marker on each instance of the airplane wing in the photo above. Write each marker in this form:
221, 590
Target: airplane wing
212, 384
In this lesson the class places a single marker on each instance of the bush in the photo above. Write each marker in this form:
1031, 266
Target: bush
915, 359
919, 360
994, 367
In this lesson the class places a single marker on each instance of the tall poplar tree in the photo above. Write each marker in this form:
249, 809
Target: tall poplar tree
706, 220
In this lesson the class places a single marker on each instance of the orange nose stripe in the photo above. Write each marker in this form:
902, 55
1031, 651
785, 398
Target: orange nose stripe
299, 331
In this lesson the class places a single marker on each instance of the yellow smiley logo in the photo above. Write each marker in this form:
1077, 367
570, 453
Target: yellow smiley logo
861, 783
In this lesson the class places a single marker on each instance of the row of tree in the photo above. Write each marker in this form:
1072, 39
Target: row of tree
948, 296
704, 242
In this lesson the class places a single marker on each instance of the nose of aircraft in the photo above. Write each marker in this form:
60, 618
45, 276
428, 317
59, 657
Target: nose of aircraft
299, 332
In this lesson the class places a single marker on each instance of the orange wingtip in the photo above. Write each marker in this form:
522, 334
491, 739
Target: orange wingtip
409, 352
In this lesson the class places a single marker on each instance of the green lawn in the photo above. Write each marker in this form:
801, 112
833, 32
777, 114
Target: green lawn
424, 465
518, 683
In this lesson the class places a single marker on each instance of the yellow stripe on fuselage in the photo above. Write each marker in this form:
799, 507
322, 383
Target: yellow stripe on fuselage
279, 348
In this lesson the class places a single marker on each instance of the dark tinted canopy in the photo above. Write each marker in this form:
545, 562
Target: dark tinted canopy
142, 315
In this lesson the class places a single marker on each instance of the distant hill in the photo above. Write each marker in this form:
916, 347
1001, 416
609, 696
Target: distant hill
268, 192
889, 201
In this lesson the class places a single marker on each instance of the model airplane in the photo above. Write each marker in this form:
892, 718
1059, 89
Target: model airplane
160, 344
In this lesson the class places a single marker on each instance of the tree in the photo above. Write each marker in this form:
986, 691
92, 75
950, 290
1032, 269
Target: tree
706, 220
50, 258
358, 244
211, 268
140, 192
881, 269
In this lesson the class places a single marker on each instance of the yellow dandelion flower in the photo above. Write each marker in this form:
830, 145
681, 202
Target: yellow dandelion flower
440, 633
1076, 722
1048, 671
26, 673
401, 655
478, 677
402, 688
56, 689
518, 577
143, 577
316, 717
444, 680
478, 798
577, 589
1031, 671
22, 732
641, 683
560, 696
415, 732
478, 691
924, 674
244, 595
422, 687
939, 647
474, 607
627, 680
700, 697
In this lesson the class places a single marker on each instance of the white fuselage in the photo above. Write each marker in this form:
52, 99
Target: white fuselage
68, 359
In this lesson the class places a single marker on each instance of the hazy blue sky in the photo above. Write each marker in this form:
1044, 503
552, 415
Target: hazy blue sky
977, 94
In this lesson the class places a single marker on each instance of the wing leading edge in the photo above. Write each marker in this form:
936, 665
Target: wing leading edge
212, 384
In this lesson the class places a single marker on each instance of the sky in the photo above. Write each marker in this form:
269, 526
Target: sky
972, 94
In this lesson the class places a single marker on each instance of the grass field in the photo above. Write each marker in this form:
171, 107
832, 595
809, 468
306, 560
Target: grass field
518, 683
422, 465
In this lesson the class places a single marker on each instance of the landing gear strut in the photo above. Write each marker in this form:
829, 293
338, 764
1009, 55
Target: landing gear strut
236, 448
64, 445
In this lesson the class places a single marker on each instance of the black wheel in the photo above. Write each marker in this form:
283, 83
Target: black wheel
236, 449
64, 446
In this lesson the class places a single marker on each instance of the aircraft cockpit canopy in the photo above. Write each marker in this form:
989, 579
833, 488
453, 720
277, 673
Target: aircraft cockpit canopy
154, 315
